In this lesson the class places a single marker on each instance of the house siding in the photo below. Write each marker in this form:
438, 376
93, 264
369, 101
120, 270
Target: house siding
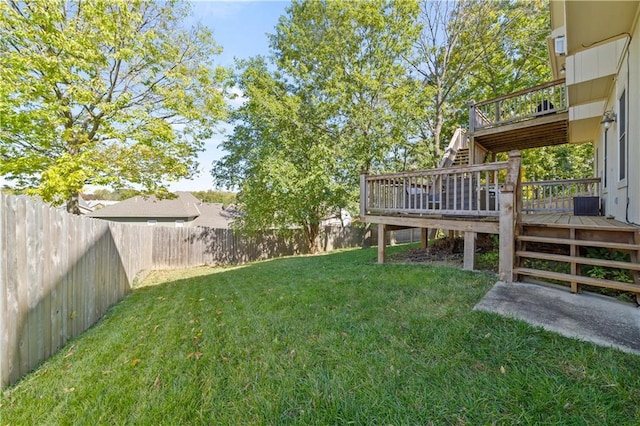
617, 192
634, 127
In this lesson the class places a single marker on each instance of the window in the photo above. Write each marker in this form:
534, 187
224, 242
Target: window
152, 222
622, 137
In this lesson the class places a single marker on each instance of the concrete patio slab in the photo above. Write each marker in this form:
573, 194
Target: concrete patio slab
590, 317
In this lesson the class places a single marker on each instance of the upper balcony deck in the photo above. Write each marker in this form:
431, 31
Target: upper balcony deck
530, 118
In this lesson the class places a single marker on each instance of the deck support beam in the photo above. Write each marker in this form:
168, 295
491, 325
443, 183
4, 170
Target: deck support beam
469, 250
382, 242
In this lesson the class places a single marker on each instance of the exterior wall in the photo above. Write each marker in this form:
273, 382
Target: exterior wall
618, 193
634, 127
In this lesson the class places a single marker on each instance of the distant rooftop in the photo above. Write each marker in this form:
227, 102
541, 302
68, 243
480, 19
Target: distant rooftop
184, 205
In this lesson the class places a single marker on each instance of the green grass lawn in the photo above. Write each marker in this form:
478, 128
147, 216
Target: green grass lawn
331, 339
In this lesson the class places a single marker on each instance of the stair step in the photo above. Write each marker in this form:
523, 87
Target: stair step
632, 266
583, 243
462, 157
578, 279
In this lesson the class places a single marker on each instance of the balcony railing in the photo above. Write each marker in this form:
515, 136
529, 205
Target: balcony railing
538, 101
557, 196
461, 191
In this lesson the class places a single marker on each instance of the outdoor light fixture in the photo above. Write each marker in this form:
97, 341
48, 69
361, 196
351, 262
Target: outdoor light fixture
608, 118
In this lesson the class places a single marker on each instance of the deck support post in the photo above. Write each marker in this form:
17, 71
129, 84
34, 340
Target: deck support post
424, 237
507, 236
469, 250
573, 252
508, 215
382, 242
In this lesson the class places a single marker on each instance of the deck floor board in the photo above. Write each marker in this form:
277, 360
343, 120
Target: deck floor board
570, 221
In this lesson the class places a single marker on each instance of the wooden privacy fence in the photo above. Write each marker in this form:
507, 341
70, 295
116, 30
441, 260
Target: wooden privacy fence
59, 273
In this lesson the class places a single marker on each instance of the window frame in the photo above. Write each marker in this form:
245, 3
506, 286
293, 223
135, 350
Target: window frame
622, 141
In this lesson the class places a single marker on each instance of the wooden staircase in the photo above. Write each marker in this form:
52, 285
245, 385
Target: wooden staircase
461, 157
579, 251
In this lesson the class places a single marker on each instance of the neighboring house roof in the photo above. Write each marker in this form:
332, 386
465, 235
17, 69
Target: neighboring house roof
185, 205
214, 216
83, 205
98, 204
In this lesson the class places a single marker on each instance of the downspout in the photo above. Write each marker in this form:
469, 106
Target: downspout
627, 132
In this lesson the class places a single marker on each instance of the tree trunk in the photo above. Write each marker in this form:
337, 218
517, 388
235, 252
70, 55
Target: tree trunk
73, 203
311, 232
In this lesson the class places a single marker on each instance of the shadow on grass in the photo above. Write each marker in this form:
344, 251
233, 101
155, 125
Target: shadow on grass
323, 339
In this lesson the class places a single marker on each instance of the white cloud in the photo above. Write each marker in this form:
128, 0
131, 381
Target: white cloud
236, 98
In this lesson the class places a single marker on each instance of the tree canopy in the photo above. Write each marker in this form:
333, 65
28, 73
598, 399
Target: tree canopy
374, 85
111, 93
329, 106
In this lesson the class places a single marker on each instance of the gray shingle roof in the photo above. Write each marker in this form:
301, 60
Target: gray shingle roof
214, 216
185, 205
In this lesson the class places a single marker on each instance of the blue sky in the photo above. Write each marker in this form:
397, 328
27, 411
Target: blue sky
240, 28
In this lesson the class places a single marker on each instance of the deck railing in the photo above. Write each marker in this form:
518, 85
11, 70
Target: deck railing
548, 98
557, 196
490, 189
461, 191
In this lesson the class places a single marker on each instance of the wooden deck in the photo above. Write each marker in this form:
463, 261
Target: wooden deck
539, 237
577, 222
531, 118
534, 132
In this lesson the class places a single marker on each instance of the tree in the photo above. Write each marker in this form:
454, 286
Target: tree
284, 167
333, 107
108, 93
518, 59
117, 195
567, 161
475, 49
210, 196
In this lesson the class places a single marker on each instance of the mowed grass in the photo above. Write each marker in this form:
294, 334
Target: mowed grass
330, 339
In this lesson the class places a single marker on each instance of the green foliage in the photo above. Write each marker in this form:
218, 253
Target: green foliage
373, 86
211, 196
512, 51
573, 161
322, 340
488, 261
473, 50
332, 109
107, 93
116, 195
604, 272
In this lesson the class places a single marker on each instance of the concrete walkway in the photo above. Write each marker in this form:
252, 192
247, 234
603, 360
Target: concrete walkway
597, 319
